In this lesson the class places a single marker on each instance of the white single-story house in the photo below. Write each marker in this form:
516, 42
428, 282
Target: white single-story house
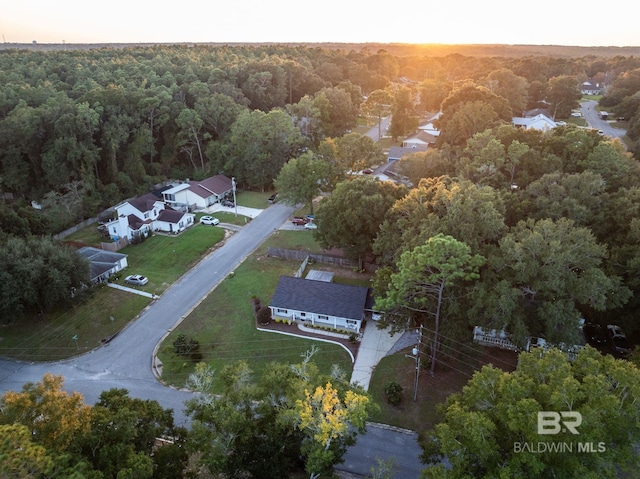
145, 214
320, 303
591, 88
421, 138
103, 263
539, 122
198, 195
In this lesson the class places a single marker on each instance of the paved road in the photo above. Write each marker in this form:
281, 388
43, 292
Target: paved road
126, 361
380, 130
594, 121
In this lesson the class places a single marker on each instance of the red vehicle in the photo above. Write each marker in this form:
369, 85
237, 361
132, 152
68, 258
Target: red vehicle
299, 221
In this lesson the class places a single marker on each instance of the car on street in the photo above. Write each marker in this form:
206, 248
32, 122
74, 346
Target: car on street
619, 341
299, 221
595, 336
209, 220
311, 226
136, 279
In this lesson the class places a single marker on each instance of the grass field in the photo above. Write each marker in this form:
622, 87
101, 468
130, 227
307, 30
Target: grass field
224, 325
162, 258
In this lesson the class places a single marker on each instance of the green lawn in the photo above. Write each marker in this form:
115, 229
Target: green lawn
289, 239
253, 199
224, 325
227, 217
51, 338
164, 258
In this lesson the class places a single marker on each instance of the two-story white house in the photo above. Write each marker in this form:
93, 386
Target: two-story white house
320, 303
145, 214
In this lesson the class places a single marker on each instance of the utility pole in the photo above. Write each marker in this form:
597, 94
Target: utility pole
233, 185
416, 356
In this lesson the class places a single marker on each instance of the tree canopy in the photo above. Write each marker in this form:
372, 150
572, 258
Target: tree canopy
491, 428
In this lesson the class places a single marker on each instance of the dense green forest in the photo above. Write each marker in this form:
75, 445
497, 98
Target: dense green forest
82, 129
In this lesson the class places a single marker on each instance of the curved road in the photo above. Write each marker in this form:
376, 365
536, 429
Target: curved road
590, 114
126, 362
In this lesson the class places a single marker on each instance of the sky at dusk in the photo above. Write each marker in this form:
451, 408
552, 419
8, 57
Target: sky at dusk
543, 22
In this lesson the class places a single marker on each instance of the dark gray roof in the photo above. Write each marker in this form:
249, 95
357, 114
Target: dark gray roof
397, 152
320, 297
144, 203
100, 255
170, 216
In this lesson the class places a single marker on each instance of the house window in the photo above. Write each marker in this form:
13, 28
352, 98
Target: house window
303, 314
283, 311
351, 322
170, 197
146, 215
323, 317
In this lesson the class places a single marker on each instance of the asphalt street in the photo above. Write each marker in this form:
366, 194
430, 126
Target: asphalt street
126, 362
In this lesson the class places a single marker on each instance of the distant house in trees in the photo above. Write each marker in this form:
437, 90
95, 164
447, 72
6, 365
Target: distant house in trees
421, 138
102, 264
591, 87
320, 303
538, 122
145, 214
198, 195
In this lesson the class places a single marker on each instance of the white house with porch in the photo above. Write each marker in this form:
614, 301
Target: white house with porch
198, 195
320, 303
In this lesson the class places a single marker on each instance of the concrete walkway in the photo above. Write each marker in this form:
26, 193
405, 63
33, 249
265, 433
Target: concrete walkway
133, 290
375, 345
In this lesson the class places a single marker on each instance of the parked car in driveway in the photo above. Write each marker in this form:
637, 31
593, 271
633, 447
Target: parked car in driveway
136, 279
595, 336
228, 203
619, 341
273, 198
299, 221
311, 226
209, 220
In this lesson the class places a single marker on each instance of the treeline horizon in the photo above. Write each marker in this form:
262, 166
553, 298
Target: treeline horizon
394, 48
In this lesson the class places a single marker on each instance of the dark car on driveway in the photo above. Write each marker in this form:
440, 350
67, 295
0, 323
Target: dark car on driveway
299, 221
273, 198
619, 341
596, 336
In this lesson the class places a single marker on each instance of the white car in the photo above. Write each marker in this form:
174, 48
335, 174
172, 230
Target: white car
209, 220
311, 226
136, 279
576, 114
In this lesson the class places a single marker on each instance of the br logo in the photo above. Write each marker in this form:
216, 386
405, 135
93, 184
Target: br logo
552, 422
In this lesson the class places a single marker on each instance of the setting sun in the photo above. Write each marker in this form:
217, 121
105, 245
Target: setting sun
454, 22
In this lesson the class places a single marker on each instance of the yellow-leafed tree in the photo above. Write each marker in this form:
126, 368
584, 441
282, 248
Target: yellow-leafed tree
330, 424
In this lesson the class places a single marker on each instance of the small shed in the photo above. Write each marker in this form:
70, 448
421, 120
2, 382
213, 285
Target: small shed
317, 275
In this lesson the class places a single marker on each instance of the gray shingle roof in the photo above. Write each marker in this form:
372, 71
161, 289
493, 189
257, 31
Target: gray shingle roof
320, 297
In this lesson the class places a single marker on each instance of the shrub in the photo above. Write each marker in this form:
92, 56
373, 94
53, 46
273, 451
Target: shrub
264, 315
184, 346
393, 391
